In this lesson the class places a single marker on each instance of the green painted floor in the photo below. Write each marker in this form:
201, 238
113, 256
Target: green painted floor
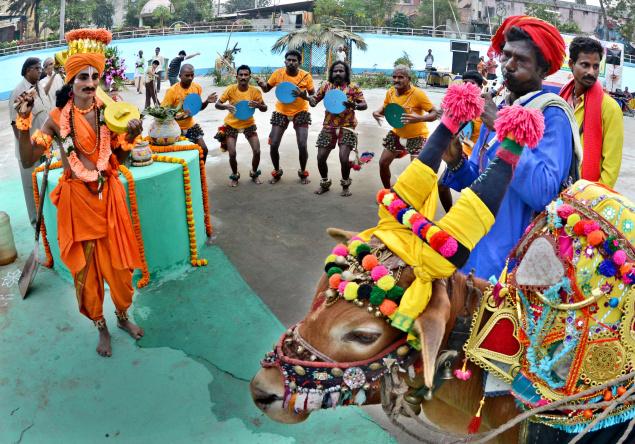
186, 381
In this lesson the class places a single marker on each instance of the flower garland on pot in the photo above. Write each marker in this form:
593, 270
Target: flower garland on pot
176, 148
191, 226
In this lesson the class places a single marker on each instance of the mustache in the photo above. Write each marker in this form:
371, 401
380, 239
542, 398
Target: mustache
589, 78
89, 88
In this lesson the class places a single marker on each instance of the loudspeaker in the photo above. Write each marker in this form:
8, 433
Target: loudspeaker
458, 46
472, 60
613, 56
459, 62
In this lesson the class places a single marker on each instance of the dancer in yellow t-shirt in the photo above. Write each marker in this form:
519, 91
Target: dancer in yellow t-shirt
235, 93
296, 112
418, 110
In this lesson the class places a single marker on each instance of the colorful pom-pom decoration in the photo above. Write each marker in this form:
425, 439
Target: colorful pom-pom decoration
350, 292
369, 262
463, 102
352, 247
524, 125
380, 195
619, 257
565, 210
377, 296
387, 200
386, 283
341, 288
573, 219
333, 270
378, 272
334, 281
388, 307
329, 258
340, 250
595, 237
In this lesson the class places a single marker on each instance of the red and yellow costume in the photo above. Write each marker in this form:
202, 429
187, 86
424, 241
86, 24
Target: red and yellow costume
95, 232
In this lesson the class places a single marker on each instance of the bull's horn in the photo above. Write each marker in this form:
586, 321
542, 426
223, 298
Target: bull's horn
340, 235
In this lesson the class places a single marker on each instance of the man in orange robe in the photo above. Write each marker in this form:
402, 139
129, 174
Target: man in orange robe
95, 233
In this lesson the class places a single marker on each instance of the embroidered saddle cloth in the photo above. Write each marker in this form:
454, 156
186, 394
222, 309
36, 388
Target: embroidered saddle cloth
559, 321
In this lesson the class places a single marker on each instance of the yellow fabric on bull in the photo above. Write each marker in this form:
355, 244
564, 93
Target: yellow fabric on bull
468, 221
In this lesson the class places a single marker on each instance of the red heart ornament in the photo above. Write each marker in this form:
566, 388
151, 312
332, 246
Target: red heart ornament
501, 338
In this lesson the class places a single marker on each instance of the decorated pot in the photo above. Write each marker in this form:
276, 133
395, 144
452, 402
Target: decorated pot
164, 132
141, 154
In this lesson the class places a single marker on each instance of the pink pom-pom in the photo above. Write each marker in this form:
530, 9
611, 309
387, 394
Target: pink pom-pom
565, 210
525, 125
396, 205
340, 250
356, 167
449, 247
591, 226
354, 238
619, 257
462, 375
342, 286
463, 102
378, 272
416, 226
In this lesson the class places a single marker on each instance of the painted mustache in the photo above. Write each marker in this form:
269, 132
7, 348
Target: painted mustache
88, 89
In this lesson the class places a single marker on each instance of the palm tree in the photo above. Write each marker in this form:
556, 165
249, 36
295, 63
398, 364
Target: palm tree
28, 8
319, 34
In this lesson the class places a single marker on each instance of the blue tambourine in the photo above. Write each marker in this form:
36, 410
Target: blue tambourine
243, 110
334, 101
192, 104
284, 92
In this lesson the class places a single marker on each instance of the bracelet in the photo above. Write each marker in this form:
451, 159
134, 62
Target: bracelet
24, 123
459, 165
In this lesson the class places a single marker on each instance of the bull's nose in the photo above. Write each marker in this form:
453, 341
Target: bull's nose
262, 398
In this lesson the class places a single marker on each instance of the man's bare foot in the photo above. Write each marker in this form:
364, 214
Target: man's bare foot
133, 329
305, 180
256, 180
346, 192
103, 346
325, 185
234, 179
233, 183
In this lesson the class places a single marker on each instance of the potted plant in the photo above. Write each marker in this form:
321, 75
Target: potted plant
164, 129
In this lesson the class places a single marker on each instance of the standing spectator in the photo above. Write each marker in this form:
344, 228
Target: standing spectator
340, 55
598, 115
52, 81
151, 93
481, 67
490, 67
31, 71
139, 71
175, 66
429, 60
159, 71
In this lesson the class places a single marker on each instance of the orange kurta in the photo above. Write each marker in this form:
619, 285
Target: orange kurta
82, 217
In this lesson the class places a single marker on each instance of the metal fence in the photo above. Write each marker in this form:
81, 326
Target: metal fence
425, 31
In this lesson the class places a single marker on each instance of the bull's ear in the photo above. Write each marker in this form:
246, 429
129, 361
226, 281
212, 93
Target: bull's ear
340, 235
540, 266
430, 327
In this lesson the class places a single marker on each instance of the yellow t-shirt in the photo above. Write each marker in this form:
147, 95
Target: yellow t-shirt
233, 95
174, 97
413, 101
302, 80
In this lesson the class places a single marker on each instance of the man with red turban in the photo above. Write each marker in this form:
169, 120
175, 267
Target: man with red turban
529, 49
95, 233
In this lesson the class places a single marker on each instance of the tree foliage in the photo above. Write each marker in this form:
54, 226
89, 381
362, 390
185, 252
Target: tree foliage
401, 20
623, 12
548, 14
162, 14
238, 5
103, 13
442, 12
355, 12
320, 35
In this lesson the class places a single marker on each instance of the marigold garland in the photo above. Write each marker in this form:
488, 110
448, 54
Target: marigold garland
176, 148
36, 197
44, 140
24, 123
191, 226
136, 225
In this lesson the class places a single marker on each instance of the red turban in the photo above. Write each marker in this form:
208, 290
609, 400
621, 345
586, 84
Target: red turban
77, 62
544, 35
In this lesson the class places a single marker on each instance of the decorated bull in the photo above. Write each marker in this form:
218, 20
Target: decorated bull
556, 330
381, 311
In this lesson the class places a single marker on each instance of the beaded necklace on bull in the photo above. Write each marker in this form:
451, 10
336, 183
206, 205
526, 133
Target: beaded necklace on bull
314, 381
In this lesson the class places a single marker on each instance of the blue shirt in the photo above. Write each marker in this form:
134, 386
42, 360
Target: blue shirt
538, 179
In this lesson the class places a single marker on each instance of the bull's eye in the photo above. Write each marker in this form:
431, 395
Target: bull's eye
362, 337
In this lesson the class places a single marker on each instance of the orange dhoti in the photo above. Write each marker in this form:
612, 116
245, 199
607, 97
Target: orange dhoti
95, 233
